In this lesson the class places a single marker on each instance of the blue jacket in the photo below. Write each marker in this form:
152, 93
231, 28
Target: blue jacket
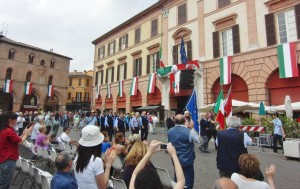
64, 180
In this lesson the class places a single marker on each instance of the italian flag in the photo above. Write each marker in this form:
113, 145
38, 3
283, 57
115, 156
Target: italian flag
218, 102
221, 114
108, 90
121, 85
27, 88
151, 83
174, 82
133, 87
225, 70
287, 60
50, 90
161, 63
8, 86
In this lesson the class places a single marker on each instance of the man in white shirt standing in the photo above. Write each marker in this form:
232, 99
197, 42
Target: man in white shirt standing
20, 121
35, 130
65, 139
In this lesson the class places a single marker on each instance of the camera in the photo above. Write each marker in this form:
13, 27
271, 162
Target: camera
163, 146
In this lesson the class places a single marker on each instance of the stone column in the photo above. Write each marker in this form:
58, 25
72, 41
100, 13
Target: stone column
165, 95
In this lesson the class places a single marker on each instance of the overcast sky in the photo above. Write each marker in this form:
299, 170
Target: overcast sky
66, 26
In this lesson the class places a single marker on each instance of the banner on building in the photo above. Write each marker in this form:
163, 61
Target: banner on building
151, 83
8, 86
108, 90
50, 90
98, 91
225, 70
121, 88
27, 88
287, 60
134, 86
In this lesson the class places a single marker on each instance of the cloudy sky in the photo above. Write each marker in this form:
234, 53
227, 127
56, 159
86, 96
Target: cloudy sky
66, 26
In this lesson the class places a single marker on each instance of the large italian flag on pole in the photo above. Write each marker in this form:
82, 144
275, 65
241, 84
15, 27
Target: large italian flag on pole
108, 90
121, 85
161, 63
50, 90
287, 60
221, 114
151, 83
225, 70
8, 86
133, 88
27, 88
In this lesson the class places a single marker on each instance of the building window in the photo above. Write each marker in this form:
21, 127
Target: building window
79, 82
42, 63
122, 71
11, 54
78, 96
188, 51
8, 73
52, 62
69, 95
87, 82
50, 80
154, 27
99, 78
101, 52
227, 42
86, 97
123, 42
28, 76
286, 26
223, 3
152, 62
111, 48
70, 82
110, 75
30, 59
137, 36
137, 67
182, 16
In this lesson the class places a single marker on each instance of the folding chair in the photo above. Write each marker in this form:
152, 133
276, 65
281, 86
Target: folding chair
165, 178
25, 170
118, 183
118, 167
19, 170
46, 182
37, 177
31, 173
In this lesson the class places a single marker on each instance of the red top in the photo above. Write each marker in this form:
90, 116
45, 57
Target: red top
9, 141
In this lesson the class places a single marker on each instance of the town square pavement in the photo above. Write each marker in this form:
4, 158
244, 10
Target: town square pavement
287, 171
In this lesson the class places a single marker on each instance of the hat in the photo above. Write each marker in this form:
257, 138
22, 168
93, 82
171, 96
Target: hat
91, 136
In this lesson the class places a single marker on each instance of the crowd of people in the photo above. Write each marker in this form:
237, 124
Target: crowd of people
103, 140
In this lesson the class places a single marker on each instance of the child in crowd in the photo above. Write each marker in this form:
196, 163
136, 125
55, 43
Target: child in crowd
105, 144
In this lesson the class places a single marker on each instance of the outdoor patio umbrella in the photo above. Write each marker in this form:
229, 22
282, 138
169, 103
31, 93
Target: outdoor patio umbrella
288, 106
262, 110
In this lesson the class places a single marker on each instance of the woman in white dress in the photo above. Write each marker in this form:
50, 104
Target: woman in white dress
154, 123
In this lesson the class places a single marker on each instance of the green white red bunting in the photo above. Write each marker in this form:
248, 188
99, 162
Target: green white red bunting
98, 91
108, 90
174, 82
287, 60
221, 115
8, 86
133, 87
151, 83
161, 63
225, 70
121, 85
27, 88
50, 90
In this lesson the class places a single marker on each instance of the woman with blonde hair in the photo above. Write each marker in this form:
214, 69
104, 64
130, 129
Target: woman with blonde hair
119, 145
249, 167
42, 139
137, 152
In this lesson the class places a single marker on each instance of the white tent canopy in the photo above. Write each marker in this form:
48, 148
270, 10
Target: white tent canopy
295, 106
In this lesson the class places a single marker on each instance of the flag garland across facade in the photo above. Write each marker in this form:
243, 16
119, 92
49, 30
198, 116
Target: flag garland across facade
121, 88
27, 88
174, 82
108, 90
287, 60
134, 86
225, 70
8, 86
50, 90
151, 83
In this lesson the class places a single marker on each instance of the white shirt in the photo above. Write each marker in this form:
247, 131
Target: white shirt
87, 178
35, 131
63, 138
154, 120
244, 184
20, 121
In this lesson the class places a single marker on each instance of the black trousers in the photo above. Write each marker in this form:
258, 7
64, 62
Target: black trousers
275, 139
144, 133
110, 131
135, 130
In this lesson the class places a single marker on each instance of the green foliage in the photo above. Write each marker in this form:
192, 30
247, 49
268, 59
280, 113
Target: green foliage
249, 121
266, 123
290, 126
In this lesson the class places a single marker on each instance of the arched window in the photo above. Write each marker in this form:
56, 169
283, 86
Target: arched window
30, 58
28, 76
42, 63
52, 63
50, 79
8, 73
